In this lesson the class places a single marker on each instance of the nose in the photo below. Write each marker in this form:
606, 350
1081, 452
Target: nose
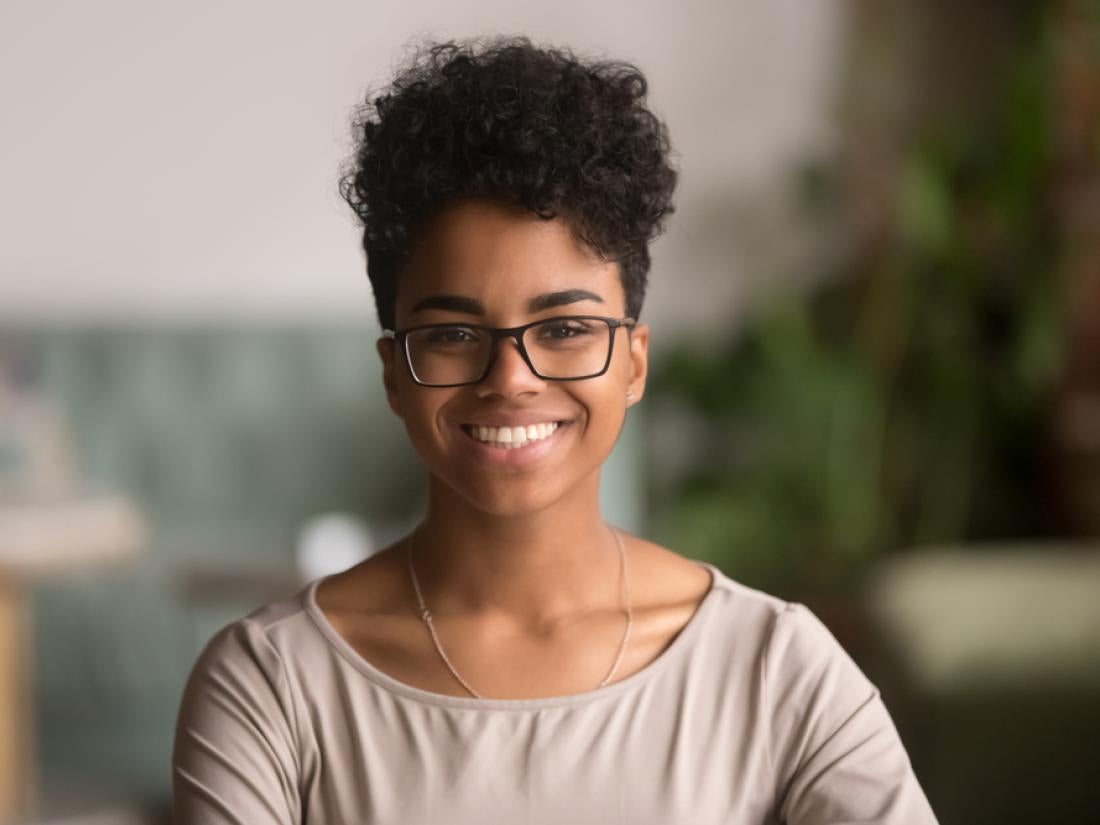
509, 374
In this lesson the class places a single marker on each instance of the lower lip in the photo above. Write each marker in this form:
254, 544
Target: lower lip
530, 452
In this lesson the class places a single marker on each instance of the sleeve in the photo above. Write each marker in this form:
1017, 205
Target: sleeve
836, 752
234, 758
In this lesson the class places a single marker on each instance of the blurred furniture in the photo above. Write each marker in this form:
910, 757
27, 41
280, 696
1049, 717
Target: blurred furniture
40, 537
225, 437
996, 677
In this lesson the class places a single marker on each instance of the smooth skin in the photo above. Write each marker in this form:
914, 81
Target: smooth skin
515, 562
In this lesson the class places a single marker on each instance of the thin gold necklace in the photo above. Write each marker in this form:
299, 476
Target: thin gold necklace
426, 615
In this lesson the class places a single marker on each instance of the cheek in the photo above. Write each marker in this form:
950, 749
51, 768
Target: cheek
420, 413
420, 433
605, 409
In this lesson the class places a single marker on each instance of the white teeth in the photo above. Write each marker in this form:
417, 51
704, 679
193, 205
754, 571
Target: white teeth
513, 437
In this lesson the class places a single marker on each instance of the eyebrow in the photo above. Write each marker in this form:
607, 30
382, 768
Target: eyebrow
471, 306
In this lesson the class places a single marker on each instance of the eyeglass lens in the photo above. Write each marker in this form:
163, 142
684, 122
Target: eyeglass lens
557, 348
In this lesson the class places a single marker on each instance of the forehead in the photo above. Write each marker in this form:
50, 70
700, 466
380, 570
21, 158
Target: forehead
502, 255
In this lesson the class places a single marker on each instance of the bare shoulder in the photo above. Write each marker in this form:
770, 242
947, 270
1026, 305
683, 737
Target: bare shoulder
662, 577
374, 586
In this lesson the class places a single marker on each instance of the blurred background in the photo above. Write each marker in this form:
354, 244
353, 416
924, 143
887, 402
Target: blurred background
876, 357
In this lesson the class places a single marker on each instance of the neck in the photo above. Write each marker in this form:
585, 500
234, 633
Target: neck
531, 570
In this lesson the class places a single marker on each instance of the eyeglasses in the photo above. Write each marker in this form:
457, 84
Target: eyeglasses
565, 348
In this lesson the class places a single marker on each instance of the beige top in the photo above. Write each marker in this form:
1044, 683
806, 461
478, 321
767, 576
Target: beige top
753, 714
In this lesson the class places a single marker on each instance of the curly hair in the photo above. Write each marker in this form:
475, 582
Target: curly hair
527, 125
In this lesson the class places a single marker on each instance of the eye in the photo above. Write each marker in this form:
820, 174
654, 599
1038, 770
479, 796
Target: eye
450, 335
564, 329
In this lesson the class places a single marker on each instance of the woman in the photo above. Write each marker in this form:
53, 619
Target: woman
515, 658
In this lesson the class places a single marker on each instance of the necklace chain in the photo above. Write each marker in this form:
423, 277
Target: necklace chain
426, 615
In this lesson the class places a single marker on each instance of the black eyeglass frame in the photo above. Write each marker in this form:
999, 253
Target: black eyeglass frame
401, 336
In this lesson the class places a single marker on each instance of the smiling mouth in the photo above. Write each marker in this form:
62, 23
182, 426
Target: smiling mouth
512, 438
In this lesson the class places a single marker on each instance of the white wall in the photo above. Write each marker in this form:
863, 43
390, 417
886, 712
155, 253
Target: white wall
178, 160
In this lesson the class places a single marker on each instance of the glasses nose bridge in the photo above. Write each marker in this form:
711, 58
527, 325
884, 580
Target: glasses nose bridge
516, 335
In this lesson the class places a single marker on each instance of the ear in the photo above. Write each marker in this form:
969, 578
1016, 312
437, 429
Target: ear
387, 351
639, 362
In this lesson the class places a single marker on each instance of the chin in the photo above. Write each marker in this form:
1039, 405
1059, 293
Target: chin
509, 504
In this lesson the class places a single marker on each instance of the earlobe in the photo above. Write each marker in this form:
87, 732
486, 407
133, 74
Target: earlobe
386, 352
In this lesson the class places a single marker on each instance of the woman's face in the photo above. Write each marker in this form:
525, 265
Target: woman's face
497, 260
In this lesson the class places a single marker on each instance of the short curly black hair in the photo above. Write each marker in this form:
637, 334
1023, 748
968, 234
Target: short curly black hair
529, 125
